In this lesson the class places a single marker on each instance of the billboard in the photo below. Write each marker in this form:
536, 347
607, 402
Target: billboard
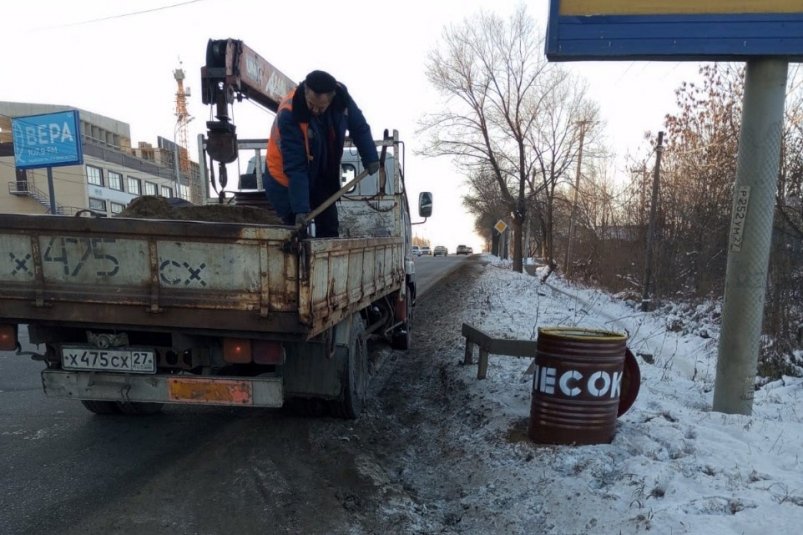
49, 140
674, 30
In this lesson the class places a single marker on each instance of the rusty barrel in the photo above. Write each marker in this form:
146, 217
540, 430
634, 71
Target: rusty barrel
576, 385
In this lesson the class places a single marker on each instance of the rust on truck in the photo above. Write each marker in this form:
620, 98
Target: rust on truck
188, 274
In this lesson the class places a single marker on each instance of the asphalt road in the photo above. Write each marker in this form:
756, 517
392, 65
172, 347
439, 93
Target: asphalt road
188, 470
431, 269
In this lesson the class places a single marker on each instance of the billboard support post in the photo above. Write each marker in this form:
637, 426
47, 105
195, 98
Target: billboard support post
750, 234
51, 192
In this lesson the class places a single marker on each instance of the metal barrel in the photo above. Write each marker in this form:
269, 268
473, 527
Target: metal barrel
576, 385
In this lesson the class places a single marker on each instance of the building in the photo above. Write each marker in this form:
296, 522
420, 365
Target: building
112, 174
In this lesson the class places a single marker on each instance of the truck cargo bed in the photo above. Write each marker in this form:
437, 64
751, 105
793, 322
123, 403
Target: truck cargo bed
194, 275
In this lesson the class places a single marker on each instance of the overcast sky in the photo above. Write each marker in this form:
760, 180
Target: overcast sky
117, 59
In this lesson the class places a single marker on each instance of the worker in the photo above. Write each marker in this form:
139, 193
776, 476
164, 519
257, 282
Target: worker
305, 148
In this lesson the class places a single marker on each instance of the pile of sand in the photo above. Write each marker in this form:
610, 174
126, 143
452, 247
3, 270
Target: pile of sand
151, 207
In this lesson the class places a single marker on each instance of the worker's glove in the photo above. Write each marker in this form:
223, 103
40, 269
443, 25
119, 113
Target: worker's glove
305, 231
372, 167
301, 217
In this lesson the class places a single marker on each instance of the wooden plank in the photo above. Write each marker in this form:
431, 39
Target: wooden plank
469, 356
513, 348
497, 346
482, 365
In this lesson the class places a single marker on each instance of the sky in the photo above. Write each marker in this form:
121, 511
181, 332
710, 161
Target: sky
117, 59
673, 466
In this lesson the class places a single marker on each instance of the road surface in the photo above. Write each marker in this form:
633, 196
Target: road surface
210, 470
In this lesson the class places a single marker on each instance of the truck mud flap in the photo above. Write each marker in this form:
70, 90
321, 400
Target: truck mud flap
237, 391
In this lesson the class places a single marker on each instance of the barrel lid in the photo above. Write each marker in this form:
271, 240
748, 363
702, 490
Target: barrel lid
631, 382
577, 333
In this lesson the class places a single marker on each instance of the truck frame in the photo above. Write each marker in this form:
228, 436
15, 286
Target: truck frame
133, 313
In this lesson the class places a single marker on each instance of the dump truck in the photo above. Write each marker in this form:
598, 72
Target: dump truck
130, 313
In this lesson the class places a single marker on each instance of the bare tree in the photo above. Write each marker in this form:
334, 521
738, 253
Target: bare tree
485, 202
489, 71
699, 170
563, 117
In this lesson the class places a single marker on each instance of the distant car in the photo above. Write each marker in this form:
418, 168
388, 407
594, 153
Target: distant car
440, 250
463, 249
426, 251
415, 250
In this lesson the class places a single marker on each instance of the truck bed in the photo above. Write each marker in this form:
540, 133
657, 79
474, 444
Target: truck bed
191, 275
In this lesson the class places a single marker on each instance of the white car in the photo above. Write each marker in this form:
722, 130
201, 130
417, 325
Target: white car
425, 250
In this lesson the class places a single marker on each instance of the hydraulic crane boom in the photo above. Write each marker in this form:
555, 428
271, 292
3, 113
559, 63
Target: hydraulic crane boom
234, 71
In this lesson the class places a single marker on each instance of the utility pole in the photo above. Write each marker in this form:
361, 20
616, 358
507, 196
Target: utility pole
574, 202
750, 234
643, 191
646, 295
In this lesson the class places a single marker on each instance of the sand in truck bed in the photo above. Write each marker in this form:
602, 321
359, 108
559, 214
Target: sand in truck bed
152, 207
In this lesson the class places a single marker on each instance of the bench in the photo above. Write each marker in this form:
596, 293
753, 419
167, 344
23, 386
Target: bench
490, 345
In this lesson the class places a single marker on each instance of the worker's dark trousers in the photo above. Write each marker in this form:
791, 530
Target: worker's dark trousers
326, 223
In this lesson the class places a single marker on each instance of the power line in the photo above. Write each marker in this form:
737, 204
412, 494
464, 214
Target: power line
120, 16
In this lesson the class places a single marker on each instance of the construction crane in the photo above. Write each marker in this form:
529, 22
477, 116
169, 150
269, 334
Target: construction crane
182, 118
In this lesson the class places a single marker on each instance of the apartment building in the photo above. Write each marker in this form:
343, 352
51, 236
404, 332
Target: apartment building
113, 172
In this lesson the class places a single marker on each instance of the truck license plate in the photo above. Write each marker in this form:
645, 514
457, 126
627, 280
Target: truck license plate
110, 360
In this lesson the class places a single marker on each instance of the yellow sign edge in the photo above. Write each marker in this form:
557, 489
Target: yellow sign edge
677, 7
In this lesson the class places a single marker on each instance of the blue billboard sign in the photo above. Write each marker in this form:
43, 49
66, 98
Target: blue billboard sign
674, 30
49, 140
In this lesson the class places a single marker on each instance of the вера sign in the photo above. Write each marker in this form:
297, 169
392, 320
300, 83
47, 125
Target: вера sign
48, 140
674, 30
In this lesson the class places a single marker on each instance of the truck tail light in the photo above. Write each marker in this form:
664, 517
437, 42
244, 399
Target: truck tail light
8, 337
237, 350
267, 352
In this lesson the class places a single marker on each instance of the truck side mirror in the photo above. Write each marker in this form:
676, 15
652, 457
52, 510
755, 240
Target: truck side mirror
425, 204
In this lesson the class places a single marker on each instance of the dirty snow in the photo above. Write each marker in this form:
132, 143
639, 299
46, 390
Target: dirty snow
674, 465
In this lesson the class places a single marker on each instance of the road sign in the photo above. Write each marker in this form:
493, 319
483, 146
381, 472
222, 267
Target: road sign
500, 226
48, 140
714, 30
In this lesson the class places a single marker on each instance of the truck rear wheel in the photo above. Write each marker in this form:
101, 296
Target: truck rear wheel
354, 381
101, 407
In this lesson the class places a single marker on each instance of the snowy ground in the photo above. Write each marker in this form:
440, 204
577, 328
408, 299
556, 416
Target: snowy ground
436, 450
458, 460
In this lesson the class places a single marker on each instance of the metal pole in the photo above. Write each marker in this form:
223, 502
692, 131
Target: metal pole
646, 297
51, 190
175, 157
203, 177
750, 234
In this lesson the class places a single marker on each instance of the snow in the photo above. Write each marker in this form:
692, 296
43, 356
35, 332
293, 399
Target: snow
674, 466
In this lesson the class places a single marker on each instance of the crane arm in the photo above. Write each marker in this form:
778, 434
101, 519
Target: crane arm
234, 71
